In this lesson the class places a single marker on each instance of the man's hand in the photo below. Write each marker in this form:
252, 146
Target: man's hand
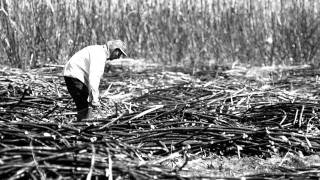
95, 104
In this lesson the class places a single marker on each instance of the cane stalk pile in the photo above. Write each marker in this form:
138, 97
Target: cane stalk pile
132, 137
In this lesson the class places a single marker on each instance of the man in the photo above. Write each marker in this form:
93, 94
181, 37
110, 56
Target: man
82, 74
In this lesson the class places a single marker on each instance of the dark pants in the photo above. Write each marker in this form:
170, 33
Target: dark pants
79, 93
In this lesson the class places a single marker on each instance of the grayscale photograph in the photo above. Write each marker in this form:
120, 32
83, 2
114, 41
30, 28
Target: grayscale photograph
159, 89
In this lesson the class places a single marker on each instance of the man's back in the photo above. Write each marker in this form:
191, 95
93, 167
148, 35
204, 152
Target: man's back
84, 61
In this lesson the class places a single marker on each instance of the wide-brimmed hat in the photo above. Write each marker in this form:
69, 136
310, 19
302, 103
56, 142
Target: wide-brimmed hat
117, 44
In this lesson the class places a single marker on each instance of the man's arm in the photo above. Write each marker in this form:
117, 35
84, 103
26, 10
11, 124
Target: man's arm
96, 69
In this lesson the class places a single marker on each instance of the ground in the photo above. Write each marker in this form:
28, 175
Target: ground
163, 123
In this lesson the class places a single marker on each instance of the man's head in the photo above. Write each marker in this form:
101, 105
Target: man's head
116, 49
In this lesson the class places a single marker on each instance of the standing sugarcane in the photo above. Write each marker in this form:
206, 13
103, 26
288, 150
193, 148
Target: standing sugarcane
82, 74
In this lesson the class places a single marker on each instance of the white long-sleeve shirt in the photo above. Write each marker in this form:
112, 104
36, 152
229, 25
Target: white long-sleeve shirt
87, 65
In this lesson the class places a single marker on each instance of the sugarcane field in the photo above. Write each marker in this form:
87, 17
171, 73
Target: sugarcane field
167, 89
